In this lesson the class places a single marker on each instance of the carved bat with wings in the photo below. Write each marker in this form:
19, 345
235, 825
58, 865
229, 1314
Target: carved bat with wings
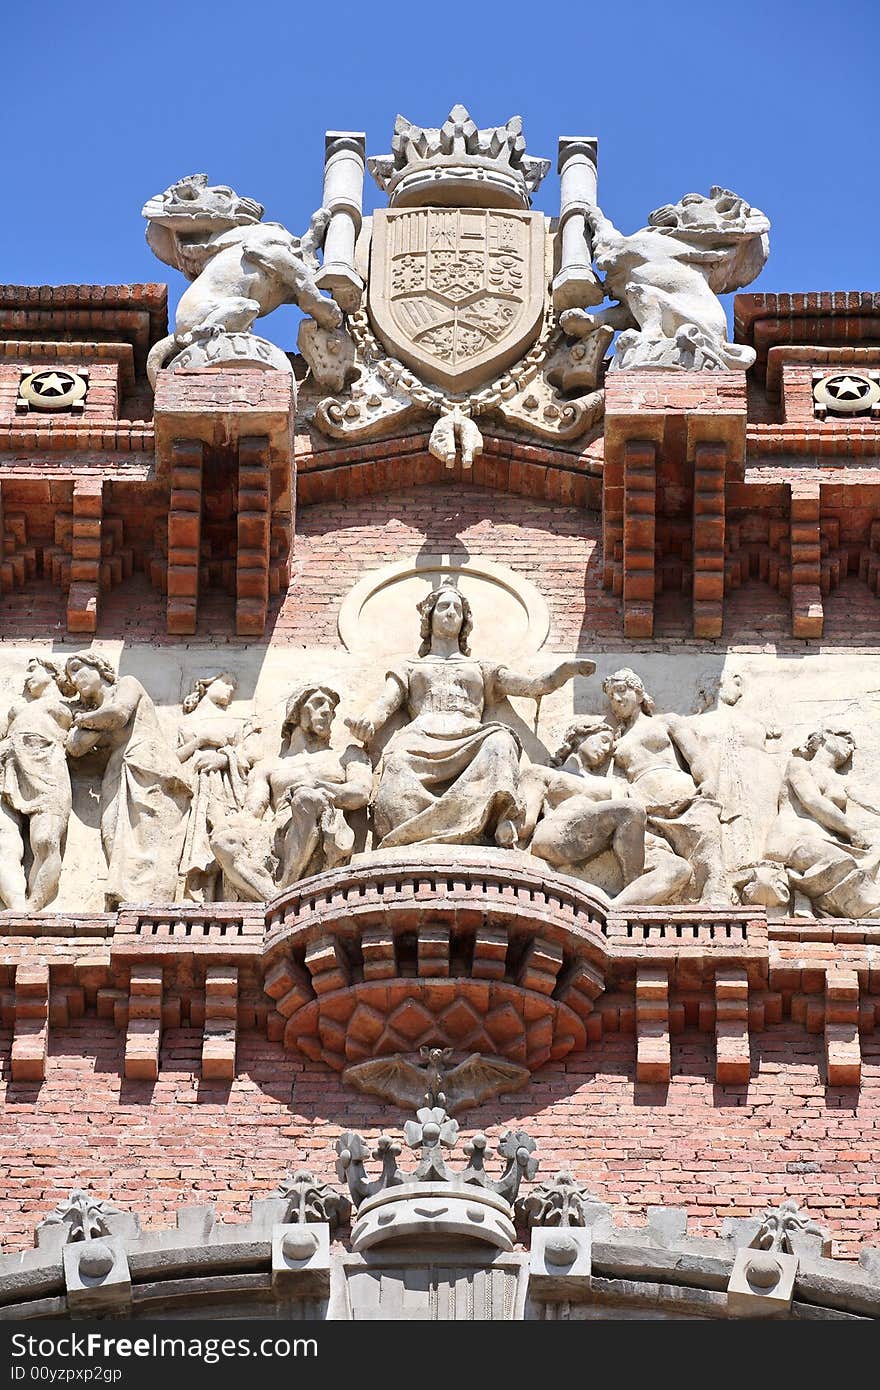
432, 1082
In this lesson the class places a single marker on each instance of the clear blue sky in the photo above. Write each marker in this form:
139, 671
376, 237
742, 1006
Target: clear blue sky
108, 103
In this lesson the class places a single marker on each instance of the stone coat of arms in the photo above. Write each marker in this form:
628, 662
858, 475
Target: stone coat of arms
457, 293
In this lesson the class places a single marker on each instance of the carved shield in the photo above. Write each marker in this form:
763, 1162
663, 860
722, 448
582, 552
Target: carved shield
457, 293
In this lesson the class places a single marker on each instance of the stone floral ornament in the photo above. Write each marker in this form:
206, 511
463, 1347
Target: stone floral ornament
82, 1216
309, 1199
432, 1200
762, 1281
558, 1202
241, 269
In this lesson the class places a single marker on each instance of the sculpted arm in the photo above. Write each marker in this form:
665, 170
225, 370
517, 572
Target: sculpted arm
259, 791
357, 788
514, 683
368, 724
691, 746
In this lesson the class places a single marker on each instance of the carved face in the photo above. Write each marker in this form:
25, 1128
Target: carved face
221, 691
768, 887
623, 700
448, 615
37, 679
721, 211
840, 747
89, 682
317, 714
191, 205
730, 689
596, 747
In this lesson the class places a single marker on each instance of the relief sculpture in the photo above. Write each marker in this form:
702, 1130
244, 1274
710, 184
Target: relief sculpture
450, 776
584, 813
35, 796
144, 792
650, 807
211, 746
293, 822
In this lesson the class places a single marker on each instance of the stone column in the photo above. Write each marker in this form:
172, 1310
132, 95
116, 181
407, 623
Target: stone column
575, 286
344, 160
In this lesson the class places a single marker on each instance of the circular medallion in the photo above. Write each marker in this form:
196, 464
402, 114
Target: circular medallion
847, 393
52, 389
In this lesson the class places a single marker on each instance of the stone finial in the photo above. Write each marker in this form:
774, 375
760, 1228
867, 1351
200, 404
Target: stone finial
458, 165
557, 1202
308, 1199
779, 1224
84, 1216
432, 1131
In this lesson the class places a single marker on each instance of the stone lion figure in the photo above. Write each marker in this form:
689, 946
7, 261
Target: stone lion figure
667, 278
241, 268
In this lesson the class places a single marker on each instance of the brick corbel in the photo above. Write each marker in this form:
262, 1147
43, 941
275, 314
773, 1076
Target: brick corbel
221, 1022
732, 1057
144, 1035
85, 555
653, 1059
31, 1023
843, 1056
807, 612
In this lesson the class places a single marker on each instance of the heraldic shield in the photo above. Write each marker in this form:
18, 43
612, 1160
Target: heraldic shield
457, 293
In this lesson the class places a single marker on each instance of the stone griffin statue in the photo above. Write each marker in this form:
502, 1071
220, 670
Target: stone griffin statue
666, 279
241, 269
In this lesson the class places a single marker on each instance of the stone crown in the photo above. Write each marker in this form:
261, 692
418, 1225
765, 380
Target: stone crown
458, 165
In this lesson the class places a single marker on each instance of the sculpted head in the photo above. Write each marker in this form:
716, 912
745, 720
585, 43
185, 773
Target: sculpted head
191, 206
445, 613
766, 885
837, 744
39, 675
721, 211
218, 689
725, 689
626, 694
311, 709
592, 739
88, 675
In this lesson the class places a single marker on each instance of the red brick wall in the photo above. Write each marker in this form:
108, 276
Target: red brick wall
720, 1151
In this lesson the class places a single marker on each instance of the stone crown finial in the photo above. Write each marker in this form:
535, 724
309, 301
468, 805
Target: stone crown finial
432, 1131
458, 165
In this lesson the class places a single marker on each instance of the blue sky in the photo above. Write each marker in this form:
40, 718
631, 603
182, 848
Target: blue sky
106, 104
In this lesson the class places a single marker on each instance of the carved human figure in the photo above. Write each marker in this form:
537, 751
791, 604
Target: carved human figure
584, 813
816, 837
449, 776
211, 746
144, 792
645, 753
293, 822
35, 796
727, 754
241, 268
667, 277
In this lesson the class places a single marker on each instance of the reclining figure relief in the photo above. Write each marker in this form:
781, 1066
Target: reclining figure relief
819, 838
241, 269
584, 813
